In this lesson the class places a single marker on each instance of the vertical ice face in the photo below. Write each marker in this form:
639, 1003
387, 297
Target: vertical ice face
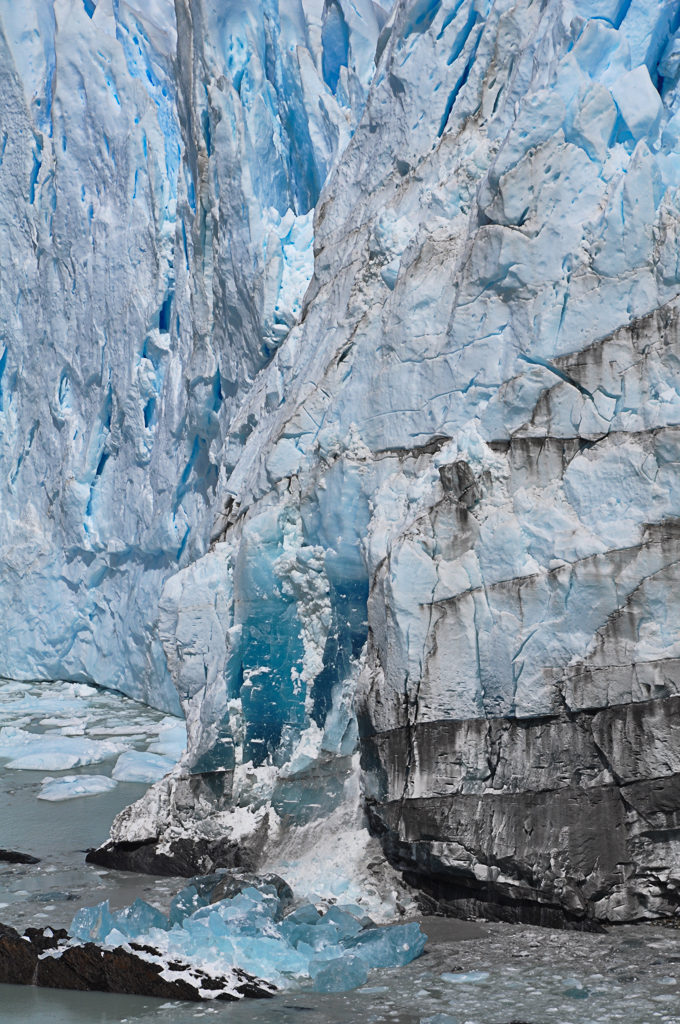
475, 424
425, 508
91, 148
159, 165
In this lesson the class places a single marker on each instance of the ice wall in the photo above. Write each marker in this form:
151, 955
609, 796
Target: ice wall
159, 165
422, 512
474, 424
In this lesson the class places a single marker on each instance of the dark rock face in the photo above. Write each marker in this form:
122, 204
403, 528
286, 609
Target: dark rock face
183, 857
14, 857
560, 819
44, 958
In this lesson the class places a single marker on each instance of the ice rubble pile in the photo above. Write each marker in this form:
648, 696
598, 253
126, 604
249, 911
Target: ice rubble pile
159, 167
332, 951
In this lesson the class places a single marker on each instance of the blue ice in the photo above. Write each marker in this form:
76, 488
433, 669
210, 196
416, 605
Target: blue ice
331, 951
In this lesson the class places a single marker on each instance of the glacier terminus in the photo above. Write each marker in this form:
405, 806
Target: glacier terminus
340, 415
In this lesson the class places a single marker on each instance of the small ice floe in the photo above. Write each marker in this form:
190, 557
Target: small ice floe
48, 752
459, 979
141, 766
70, 786
172, 739
575, 989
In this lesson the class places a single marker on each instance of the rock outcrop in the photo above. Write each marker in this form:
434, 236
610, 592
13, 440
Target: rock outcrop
50, 960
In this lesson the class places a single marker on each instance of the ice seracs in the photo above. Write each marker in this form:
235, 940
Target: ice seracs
463, 456
402, 538
158, 174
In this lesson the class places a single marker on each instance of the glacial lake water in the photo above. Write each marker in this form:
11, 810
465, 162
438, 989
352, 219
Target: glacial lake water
470, 973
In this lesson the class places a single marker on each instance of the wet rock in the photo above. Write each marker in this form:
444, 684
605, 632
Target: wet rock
18, 957
45, 958
182, 857
232, 883
14, 857
42, 939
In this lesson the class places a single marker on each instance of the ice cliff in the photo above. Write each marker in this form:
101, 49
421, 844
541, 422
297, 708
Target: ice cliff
422, 514
158, 172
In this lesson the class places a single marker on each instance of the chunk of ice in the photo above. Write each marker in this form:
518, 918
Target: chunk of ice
98, 924
459, 979
141, 766
172, 739
338, 975
139, 918
185, 903
70, 786
92, 924
392, 946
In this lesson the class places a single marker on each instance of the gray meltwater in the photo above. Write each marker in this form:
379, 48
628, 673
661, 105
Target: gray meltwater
470, 974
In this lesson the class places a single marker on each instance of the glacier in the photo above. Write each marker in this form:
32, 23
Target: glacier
338, 405
161, 238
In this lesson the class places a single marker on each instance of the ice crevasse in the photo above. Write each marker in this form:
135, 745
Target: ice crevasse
379, 465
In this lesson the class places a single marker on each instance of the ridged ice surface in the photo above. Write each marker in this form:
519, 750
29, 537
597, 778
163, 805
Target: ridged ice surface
441, 482
158, 173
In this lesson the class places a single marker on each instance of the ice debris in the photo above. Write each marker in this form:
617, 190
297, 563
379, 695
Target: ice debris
462, 978
328, 952
50, 752
66, 725
141, 766
70, 786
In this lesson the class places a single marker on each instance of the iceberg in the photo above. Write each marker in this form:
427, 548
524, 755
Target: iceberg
70, 786
141, 766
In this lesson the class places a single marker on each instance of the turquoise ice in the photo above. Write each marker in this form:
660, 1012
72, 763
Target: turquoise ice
330, 951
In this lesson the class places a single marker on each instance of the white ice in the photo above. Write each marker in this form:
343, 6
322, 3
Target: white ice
70, 786
141, 766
